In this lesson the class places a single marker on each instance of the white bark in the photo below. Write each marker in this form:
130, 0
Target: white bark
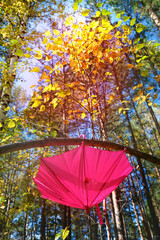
154, 17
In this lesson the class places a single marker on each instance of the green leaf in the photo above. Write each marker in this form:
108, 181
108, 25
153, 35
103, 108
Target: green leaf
54, 134
140, 46
105, 12
19, 53
132, 22
145, 73
79, 1
99, 5
14, 42
75, 6
140, 27
125, 18
58, 235
157, 44
120, 13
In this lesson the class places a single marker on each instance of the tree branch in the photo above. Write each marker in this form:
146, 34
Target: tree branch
76, 141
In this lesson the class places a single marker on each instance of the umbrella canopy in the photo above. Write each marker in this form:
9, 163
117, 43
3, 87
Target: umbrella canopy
82, 177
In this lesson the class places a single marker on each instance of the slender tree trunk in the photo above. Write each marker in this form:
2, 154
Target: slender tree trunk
145, 222
25, 225
130, 215
113, 217
43, 221
135, 211
117, 216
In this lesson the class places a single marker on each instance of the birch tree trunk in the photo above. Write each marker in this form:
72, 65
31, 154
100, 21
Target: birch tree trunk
117, 216
153, 15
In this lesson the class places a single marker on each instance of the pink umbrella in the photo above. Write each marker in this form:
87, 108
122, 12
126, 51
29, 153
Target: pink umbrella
82, 177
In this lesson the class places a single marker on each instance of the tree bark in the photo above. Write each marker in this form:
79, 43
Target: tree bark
43, 220
142, 213
153, 15
76, 141
117, 216
135, 211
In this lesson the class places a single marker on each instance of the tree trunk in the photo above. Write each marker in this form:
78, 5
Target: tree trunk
145, 222
135, 211
43, 220
153, 15
117, 216
113, 217
156, 227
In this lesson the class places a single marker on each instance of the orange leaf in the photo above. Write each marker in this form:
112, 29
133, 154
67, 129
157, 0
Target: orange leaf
44, 76
48, 58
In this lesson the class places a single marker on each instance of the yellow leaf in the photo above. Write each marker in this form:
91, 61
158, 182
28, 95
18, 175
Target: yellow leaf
33, 86
27, 55
1, 125
46, 97
149, 103
157, 78
83, 115
45, 40
36, 103
40, 87
38, 55
48, 67
54, 102
110, 60
31, 116
11, 124
47, 33
66, 122
150, 88
155, 96
69, 21
49, 46
7, 108
36, 69
56, 32
154, 104
42, 108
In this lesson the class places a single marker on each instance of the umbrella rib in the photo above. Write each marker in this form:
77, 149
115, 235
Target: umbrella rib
108, 177
68, 189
